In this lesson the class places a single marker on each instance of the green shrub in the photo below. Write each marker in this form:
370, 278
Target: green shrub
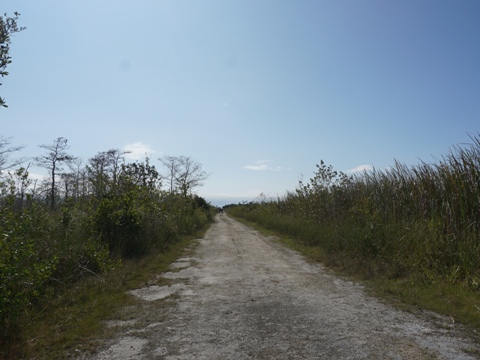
114, 212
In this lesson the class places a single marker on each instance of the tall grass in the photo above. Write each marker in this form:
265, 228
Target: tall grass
421, 220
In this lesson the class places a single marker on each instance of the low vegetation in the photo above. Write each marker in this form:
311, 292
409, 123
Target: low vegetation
74, 321
413, 230
80, 225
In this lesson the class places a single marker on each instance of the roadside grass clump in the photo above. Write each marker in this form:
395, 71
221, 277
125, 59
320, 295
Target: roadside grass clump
417, 227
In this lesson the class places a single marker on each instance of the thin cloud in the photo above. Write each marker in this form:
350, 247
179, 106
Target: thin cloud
360, 169
31, 175
257, 167
37, 177
138, 150
262, 165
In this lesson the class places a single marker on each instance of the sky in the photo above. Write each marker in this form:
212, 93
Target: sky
257, 91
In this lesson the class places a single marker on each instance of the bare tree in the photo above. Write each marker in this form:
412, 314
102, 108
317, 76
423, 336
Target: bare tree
5, 151
53, 161
184, 173
80, 183
68, 181
104, 169
191, 175
173, 168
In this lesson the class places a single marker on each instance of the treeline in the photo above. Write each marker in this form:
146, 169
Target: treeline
421, 221
84, 219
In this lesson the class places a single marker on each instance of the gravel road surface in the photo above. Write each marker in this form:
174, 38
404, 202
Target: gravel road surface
244, 296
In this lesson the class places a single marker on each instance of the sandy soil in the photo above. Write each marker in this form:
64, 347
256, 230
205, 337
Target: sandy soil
244, 296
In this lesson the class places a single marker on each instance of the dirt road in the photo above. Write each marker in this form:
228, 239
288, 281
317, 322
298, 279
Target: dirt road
244, 296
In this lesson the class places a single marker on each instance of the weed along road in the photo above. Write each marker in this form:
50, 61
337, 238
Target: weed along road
240, 295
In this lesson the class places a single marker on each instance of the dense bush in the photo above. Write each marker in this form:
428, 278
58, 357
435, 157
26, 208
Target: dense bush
422, 220
102, 214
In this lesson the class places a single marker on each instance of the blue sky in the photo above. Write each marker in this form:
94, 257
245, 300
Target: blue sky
258, 91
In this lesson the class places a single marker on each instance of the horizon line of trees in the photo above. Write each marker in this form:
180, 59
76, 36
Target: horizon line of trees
69, 177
